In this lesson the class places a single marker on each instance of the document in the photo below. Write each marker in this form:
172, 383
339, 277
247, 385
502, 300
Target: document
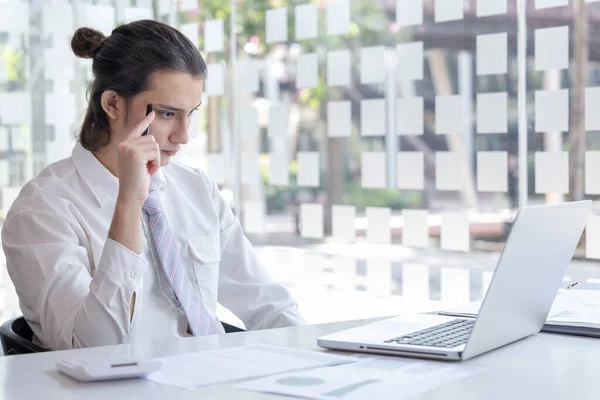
370, 377
190, 371
576, 308
571, 308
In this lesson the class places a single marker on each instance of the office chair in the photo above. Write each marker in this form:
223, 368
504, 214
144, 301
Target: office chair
16, 336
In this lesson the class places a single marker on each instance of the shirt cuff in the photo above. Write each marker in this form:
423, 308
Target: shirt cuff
122, 265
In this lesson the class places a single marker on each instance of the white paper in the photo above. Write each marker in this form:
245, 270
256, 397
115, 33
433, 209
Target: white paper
214, 36
248, 76
552, 172
552, 110
338, 17
307, 70
338, 68
592, 166
215, 81
249, 121
455, 231
449, 171
592, 116
379, 277
306, 21
378, 225
492, 171
539, 4
486, 8
415, 281
254, 217
15, 108
592, 237
370, 378
552, 48
410, 61
372, 117
250, 171
372, 62
14, 19
308, 169
373, 171
278, 169
577, 307
338, 119
448, 115
311, 221
343, 222
415, 231
492, 112
570, 307
448, 10
216, 167
409, 119
492, 54
409, 12
190, 371
454, 285
411, 170
279, 115
277, 26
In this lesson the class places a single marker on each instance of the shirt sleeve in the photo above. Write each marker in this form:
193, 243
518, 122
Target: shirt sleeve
245, 287
76, 303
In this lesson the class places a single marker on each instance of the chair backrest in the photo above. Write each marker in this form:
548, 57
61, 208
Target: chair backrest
16, 337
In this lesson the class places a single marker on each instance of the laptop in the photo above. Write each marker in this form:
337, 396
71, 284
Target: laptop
528, 275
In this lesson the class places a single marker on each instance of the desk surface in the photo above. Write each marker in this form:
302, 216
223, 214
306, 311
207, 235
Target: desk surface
544, 366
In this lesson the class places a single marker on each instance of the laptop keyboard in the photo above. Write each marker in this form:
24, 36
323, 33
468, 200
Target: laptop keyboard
449, 334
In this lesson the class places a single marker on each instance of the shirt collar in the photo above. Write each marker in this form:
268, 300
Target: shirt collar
103, 184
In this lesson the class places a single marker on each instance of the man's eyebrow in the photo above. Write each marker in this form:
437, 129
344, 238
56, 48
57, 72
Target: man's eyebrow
174, 109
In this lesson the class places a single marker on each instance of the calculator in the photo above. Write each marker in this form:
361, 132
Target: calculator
88, 369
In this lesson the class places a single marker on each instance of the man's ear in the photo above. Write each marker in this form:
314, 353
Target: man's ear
112, 104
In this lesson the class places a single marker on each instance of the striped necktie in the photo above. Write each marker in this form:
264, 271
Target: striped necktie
200, 321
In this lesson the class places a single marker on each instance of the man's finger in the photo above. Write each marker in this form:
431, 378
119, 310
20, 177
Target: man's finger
139, 129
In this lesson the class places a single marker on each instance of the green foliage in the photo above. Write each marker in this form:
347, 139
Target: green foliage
15, 64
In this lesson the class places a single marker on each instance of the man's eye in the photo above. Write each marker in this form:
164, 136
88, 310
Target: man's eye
167, 114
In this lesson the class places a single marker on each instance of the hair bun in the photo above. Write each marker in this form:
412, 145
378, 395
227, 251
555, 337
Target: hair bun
86, 42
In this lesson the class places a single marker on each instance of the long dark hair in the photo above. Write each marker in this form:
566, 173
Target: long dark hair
124, 61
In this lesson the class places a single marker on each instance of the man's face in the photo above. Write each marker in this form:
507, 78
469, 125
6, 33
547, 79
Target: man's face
175, 96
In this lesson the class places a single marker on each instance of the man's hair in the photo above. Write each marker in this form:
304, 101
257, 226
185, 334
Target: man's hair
124, 61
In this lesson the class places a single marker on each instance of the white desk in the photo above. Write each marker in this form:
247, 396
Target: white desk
541, 367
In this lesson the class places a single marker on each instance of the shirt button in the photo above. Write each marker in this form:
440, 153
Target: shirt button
134, 274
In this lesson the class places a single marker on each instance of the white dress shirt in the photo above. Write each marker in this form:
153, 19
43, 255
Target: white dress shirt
75, 285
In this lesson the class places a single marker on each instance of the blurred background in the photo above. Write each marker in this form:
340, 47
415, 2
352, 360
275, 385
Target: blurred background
376, 151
